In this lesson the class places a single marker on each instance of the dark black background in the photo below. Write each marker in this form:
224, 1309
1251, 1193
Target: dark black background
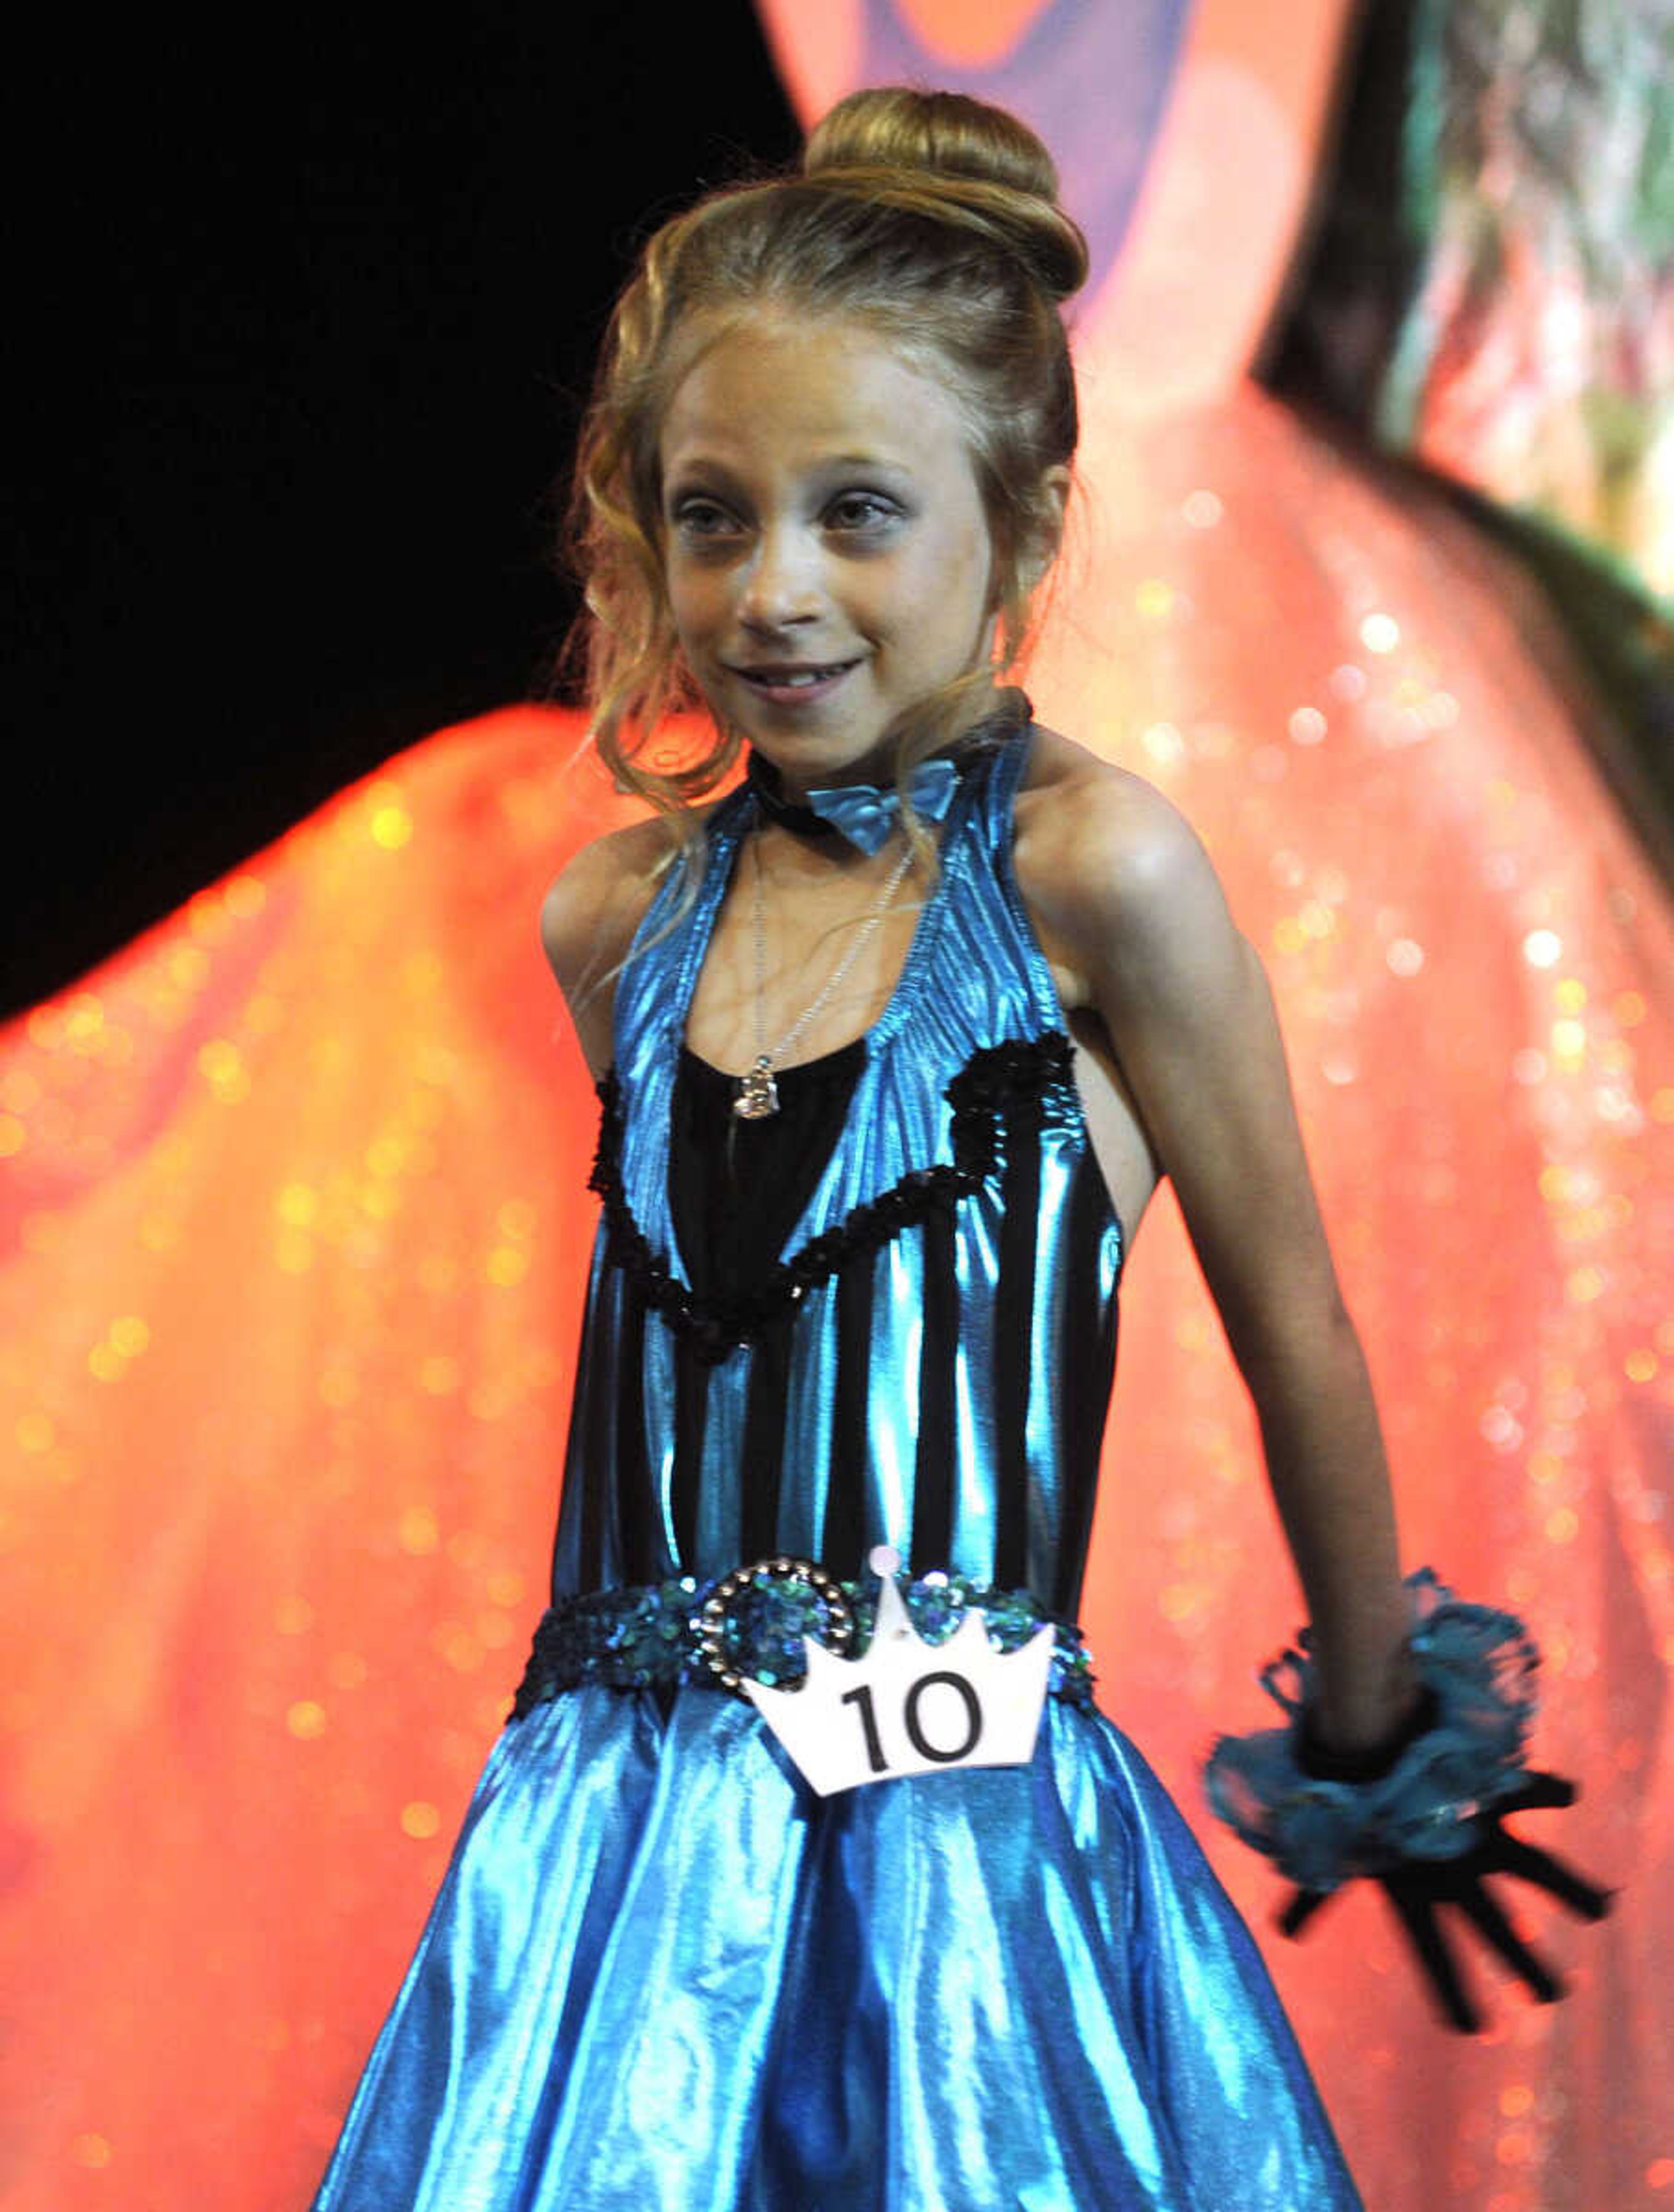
305, 317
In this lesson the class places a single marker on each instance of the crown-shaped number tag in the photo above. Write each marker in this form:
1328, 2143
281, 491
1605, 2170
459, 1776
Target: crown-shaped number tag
908, 1707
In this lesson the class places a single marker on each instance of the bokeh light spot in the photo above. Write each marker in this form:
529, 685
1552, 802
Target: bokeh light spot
455, 1644
219, 1062
130, 1335
1499, 1427
1164, 744
392, 827
385, 1157
418, 1533
515, 1219
244, 895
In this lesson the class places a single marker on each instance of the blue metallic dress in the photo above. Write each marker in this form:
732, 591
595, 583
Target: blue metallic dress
661, 1975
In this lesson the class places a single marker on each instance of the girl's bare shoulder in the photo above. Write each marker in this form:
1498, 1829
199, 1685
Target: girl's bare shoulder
588, 918
599, 898
1097, 847
594, 890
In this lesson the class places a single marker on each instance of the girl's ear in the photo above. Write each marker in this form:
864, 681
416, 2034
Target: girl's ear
1040, 547
1043, 549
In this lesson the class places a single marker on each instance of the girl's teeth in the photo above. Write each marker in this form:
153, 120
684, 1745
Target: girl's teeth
803, 676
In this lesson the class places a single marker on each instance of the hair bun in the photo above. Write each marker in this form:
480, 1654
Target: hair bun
941, 139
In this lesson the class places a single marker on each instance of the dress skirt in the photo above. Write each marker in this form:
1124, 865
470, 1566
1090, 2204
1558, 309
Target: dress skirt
661, 1975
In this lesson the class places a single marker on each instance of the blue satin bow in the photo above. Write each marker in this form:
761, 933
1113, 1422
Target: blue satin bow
865, 813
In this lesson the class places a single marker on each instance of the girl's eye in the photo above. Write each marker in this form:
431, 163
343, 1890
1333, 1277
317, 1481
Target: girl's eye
701, 518
861, 510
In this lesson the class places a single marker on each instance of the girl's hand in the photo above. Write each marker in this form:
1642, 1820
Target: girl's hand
1419, 1887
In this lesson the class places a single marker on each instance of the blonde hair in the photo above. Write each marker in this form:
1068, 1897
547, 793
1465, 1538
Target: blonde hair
934, 220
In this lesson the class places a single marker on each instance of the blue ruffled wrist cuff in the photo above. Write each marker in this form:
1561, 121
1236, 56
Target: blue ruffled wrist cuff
1480, 1666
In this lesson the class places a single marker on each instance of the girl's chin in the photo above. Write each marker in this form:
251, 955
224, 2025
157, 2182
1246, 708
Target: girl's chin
808, 767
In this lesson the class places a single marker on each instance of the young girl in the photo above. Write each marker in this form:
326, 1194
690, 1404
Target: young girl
894, 1044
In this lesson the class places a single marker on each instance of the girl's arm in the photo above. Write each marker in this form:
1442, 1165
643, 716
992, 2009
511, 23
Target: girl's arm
587, 921
1123, 886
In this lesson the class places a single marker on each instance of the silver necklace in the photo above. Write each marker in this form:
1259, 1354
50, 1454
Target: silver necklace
756, 1094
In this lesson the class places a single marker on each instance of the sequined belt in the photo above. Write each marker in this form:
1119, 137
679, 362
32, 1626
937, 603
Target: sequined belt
752, 1621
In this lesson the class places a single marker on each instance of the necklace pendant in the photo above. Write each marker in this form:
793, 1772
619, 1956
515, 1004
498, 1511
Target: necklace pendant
757, 1095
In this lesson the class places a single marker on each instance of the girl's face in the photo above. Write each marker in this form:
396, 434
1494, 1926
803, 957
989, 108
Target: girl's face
825, 550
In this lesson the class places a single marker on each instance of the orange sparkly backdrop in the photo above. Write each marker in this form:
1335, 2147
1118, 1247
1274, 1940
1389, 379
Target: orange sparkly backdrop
296, 1225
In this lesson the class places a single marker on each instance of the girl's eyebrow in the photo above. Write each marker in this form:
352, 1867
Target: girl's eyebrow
698, 468
713, 468
867, 461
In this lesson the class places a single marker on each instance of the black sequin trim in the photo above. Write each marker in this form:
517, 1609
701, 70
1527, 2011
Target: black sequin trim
1028, 1079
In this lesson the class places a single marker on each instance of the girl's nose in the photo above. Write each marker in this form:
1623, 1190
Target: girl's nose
781, 584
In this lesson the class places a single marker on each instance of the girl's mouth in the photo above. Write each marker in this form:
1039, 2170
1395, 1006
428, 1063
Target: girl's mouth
792, 684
